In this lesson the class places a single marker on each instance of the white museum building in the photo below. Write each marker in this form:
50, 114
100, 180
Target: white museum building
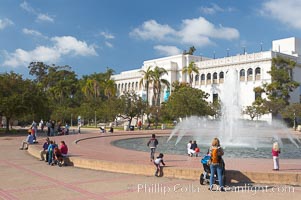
250, 71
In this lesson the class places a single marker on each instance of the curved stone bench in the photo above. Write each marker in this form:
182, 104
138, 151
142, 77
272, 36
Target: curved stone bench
235, 176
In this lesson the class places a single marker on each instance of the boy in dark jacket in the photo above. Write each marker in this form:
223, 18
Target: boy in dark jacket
152, 144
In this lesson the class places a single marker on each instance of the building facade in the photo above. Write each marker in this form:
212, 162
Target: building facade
250, 71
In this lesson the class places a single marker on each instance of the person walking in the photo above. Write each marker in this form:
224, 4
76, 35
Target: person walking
275, 154
216, 164
152, 144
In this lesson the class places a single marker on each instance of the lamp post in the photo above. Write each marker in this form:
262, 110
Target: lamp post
95, 118
295, 121
157, 119
142, 117
228, 52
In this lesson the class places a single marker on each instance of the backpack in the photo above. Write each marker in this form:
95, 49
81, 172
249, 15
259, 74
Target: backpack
215, 158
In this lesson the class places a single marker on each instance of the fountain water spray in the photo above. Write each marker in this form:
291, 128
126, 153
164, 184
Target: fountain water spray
230, 128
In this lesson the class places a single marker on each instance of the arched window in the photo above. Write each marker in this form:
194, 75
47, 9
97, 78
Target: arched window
203, 79
214, 77
257, 73
250, 74
208, 78
242, 75
136, 87
221, 77
197, 79
125, 86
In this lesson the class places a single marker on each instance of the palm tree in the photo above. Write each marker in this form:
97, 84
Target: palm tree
91, 88
189, 70
109, 88
146, 80
158, 82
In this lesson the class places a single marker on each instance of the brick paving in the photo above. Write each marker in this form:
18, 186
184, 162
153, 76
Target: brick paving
24, 177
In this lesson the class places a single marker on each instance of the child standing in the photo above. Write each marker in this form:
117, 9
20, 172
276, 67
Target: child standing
275, 154
157, 164
152, 144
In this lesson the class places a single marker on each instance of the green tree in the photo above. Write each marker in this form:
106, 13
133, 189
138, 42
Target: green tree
146, 80
188, 101
256, 110
130, 106
20, 98
109, 88
91, 88
189, 70
291, 112
177, 85
190, 51
158, 81
278, 91
39, 70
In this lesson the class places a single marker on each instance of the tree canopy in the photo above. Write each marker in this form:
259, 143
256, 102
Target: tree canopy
187, 101
282, 84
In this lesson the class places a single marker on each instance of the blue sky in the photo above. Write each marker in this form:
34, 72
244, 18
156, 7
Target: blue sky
91, 35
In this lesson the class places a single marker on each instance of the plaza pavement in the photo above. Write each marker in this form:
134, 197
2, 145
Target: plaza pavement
24, 177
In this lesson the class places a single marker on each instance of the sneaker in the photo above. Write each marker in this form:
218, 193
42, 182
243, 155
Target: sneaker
41, 159
20, 148
210, 187
222, 189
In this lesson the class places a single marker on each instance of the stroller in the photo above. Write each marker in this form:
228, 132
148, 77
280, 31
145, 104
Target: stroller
205, 176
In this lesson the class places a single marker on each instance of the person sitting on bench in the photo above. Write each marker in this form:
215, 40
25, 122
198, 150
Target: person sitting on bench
27, 141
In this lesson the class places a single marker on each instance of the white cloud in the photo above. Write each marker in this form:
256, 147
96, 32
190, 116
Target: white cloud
70, 45
41, 17
44, 17
211, 10
108, 44
197, 31
5, 23
152, 30
27, 7
21, 57
287, 12
167, 50
107, 35
33, 33
215, 9
66, 45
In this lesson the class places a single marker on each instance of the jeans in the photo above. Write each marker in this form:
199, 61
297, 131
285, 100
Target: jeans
152, 154
219, 169
50, 157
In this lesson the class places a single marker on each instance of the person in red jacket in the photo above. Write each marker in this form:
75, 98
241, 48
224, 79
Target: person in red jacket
63, 148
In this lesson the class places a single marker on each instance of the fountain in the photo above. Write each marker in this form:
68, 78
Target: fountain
231, 129
240, 138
